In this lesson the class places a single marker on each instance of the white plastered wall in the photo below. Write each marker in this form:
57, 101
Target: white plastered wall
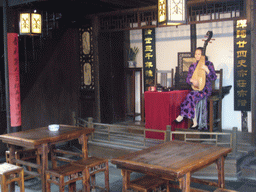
171, 40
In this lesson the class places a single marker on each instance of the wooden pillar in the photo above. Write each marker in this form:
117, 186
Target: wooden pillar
95, 34
251, 18
5, 6
193, 38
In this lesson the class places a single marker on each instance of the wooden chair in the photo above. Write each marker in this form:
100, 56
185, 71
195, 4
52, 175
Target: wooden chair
65, 175
165, 77
10, 173
149, 183
93, 165
215, 103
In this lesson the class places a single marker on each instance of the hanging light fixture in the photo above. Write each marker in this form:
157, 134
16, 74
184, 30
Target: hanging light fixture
30, 23
172, 12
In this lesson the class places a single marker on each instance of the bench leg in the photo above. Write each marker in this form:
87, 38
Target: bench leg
21, 182
86, 181
61, 186
48, 184
3, 185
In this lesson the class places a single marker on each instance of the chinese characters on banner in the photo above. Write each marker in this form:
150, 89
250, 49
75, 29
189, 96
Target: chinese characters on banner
242, 66
14, 79
149, 57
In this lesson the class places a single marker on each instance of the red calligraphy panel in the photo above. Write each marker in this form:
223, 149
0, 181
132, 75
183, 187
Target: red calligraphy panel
14, 79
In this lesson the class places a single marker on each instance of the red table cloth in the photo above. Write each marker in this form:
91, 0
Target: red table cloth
161, 109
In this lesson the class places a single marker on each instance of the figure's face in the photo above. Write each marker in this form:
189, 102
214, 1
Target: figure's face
198, 54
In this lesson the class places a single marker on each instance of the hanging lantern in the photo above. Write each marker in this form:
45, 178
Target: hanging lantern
172, 12
30, 23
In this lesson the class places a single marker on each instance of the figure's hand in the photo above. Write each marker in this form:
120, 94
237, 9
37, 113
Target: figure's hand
206, 69
194, 82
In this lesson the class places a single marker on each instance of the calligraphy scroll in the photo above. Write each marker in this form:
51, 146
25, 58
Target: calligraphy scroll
14, 79
242, 66
149, 57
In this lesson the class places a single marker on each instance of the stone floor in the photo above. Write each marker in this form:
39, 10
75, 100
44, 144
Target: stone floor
34, 185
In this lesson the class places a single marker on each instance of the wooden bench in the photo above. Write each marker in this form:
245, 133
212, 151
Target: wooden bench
93, 165
10, 173
70, 172
148, 183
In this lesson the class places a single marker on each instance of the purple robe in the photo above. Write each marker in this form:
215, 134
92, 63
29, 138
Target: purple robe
189, 104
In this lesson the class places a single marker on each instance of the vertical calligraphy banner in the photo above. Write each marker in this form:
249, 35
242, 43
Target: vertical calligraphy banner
242, 66
149, 57
14, 79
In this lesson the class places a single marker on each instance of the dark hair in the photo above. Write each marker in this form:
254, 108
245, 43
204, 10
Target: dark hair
202, 49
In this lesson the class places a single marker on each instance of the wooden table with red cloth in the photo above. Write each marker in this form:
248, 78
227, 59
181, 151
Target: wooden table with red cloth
161, 109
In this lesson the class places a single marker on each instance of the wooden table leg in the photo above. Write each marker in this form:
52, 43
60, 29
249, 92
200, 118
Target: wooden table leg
44, 153
53, 159
126, 179
185, 183
220, 168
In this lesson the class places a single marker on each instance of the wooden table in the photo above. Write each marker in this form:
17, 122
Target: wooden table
161, 109
174, 160
42, 139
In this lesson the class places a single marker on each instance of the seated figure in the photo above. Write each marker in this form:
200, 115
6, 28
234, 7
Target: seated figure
189, 105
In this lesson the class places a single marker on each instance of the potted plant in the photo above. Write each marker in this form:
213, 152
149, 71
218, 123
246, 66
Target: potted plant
132, 56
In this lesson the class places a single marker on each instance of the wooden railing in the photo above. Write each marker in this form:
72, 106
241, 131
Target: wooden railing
135, 136
210, 137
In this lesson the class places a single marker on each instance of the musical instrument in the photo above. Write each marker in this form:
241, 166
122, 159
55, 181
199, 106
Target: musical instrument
199, 73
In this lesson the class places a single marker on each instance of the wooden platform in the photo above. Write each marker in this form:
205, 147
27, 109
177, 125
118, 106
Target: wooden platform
233, 163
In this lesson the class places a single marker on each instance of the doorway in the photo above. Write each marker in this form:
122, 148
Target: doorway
111, 76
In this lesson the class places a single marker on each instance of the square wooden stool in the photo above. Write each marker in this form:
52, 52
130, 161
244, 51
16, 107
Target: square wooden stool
64, 175
30, 155
149, 183
92, 166
10, 173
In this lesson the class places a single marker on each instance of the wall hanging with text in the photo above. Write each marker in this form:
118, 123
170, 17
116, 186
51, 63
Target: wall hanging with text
242, 66
149, 57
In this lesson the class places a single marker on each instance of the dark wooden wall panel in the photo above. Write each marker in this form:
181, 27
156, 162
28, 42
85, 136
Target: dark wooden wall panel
55, 94
111, 57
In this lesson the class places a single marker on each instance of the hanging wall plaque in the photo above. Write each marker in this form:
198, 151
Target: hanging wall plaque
149, 57
86, 60
242, 66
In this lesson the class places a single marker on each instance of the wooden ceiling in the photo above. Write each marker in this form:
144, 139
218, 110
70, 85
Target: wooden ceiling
96, 6
77, 10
